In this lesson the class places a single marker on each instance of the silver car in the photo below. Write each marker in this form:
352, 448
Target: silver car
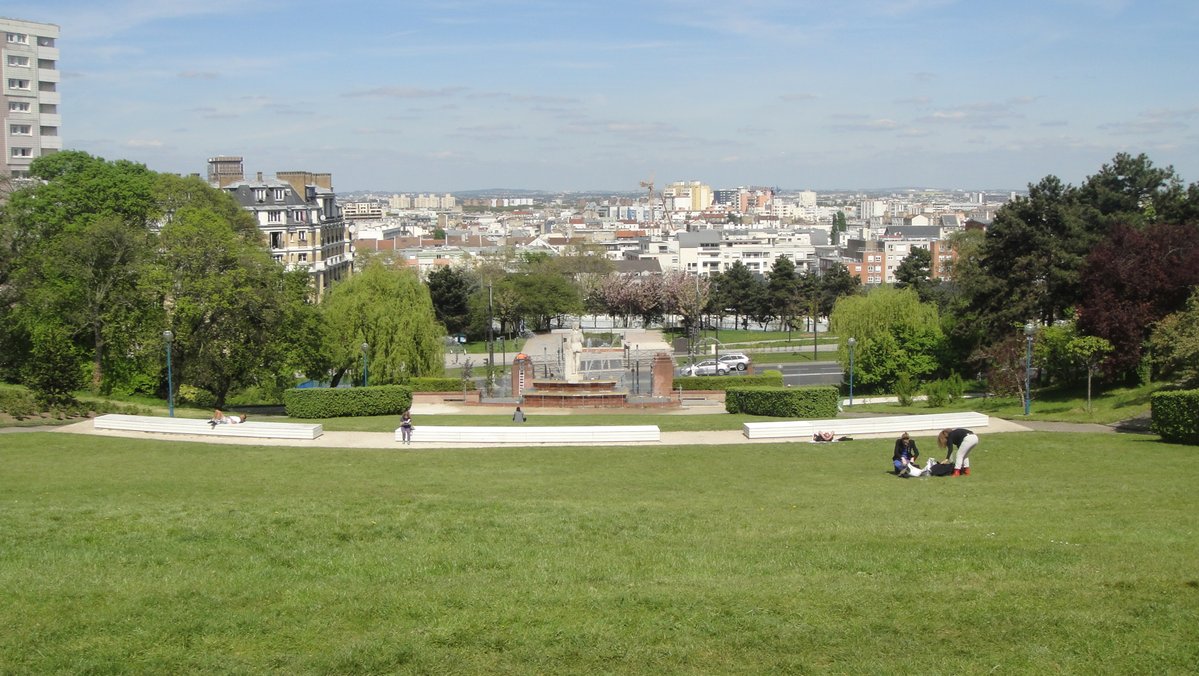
710, 367
735, 360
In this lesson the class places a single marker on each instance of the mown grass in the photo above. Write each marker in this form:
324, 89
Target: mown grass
1064, 553
1057, 405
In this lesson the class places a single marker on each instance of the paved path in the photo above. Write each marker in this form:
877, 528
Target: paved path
386, 440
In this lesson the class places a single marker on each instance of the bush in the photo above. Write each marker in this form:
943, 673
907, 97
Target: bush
1175, 416
765, 379
783, 402
18, 403
326, 402
431, 384
937, 392
955, 386
905, 389
190, 395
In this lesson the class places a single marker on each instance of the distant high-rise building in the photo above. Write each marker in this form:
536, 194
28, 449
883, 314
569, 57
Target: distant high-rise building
30, 77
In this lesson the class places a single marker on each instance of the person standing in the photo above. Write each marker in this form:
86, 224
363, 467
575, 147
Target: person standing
518, 415
905, 452
965, 441
406, 428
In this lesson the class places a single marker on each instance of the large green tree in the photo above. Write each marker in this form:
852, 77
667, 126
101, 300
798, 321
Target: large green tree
227, 303
391, 311
896, 334
450, 289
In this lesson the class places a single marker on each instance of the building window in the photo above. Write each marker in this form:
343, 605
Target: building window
260, 194
46, 64
274, 217
18, 39
300, 216
22, 152
20, 61
45, 42
44, 108
14, 83
302, 235
280, 194
47, 86
20, 129
303, 258
277, 241
278, 258
18, 106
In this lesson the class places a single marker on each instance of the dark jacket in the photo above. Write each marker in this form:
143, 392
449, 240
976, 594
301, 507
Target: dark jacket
912, 452
955, 438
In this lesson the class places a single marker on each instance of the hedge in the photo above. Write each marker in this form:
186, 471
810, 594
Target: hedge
1175, 416
766, 379
431, 384
335, 402
783, 402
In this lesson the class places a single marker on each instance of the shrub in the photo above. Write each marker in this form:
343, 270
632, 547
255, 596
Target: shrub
1175, 416
190, 395
937, 393
17, 403
431, 384
905, 389
956, 386
765, 379
783, 402
326, 402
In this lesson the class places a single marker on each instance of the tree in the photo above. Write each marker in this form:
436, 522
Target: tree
836, 283
226, 300
1088, 351
896, 334
1132, 280
53, 372
782, 290
391, 311
450, 289
76, 249
1175, 344
738, 289
1131, 191
839, 227
915, 271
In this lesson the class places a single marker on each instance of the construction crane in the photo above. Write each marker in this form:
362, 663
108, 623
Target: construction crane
649, 203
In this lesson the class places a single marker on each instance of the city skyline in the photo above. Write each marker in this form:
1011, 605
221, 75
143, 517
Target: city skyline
466, 95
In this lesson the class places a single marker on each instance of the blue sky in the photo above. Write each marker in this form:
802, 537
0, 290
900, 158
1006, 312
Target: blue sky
446, 95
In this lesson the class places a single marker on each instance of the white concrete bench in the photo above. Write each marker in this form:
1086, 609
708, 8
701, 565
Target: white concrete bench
850, 426
531, 435
200, 427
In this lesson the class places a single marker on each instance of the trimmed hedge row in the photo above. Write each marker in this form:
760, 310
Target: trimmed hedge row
1175, 416
337, 402
431, 384
766, 379
783, 402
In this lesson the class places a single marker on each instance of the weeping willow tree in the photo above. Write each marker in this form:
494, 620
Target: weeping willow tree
896, 334
391, 311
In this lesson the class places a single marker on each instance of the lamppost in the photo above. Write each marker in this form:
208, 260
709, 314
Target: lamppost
366, 363
168, 337
851, 342
1029, 330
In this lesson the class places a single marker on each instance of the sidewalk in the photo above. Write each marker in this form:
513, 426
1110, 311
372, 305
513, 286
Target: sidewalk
381, 440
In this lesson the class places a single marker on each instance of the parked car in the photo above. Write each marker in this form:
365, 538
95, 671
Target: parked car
710, 367
735, 360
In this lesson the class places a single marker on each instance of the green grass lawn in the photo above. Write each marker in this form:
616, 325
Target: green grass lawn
1063, 553
1107, 406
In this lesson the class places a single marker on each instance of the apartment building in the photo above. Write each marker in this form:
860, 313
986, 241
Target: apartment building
299, 219
30, 77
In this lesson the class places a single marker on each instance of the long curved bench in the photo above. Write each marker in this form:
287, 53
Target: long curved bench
528, 434
200, 427
886, 424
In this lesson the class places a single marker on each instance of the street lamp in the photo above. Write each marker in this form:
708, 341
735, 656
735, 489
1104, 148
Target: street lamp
168, 336
1029, 330
366, 363
851, 342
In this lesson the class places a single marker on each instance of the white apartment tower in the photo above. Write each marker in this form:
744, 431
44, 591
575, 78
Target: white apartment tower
30, 76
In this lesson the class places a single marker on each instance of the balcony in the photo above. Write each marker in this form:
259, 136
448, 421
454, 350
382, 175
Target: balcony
48, 75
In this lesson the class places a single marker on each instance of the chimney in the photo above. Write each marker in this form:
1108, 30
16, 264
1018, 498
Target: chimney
260, 177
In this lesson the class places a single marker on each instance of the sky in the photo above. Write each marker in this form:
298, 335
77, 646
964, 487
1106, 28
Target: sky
559, 95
